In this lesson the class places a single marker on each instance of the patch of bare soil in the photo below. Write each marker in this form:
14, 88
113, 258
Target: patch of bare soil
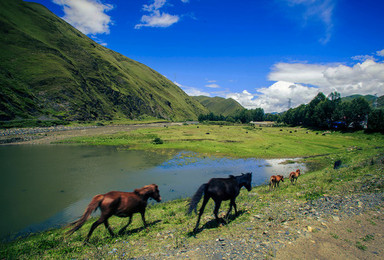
358, 237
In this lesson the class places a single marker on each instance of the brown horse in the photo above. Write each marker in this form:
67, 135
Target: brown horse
294, 175
118, 203
275, 180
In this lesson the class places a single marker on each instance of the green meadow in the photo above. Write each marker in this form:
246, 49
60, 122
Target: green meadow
237, 141
169, 226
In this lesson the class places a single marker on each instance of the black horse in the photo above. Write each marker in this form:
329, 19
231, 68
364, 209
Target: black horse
220, 189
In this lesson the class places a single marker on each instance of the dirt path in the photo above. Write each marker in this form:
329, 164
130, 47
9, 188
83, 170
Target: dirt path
359, 237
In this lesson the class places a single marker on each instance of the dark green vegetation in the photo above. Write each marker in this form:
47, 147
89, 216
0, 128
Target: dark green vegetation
349, 113
51, 71
170, 228
332, 112
220, 106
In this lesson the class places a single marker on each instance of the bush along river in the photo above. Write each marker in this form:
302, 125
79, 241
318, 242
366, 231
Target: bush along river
45, 186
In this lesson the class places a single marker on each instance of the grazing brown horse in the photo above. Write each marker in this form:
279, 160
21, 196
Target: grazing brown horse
294, 175
118, 203
275, 180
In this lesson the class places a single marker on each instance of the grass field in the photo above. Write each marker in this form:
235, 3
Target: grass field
170, 228
237, 141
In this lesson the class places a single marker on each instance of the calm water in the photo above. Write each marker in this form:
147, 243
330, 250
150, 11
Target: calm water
46, 186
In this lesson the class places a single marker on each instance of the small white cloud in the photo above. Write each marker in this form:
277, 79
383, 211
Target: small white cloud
185, 1
157, 4
363, 57
155, 17
88, 16
380, 53
212, 86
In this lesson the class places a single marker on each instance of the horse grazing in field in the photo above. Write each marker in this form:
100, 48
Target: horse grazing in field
220, 189
294, 175
118, 203
275, 180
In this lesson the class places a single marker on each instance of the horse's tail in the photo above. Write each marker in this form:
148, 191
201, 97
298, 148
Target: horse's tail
93, 205
196, 198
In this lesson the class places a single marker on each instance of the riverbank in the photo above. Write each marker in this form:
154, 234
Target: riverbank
329, 213
48, 135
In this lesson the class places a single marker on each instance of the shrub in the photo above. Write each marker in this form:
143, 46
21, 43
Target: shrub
158, 140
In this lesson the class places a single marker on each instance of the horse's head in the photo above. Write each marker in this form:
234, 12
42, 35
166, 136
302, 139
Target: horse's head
246, 180
150, 191
298, 171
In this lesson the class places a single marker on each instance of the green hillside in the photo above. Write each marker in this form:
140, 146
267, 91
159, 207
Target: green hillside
369, 98
219, 105
50, 70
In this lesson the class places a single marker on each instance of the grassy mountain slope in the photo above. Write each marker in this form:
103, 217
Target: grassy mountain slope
219, 105
48, 69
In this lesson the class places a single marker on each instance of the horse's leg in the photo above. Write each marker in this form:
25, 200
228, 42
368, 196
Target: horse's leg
216, 210
205, 201
106, 224
234, 205
123, 228
143, 217
94, 225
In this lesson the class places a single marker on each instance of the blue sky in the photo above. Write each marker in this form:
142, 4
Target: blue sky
261, 53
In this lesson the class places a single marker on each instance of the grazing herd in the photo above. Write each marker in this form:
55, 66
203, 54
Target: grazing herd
125, 204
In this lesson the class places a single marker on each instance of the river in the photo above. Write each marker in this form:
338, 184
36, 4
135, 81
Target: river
44, 186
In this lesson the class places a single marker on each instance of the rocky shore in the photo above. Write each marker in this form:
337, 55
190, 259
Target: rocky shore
46, 135
14, 135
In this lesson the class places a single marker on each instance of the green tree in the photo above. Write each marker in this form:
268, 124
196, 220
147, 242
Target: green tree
356, 111
376, 121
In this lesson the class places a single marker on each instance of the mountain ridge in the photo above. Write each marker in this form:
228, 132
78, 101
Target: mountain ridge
219, 105
51, 70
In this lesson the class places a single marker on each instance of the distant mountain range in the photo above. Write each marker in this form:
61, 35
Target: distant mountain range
50, 70
219, 105
370, 98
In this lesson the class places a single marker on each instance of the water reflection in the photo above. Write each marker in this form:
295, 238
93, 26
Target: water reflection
45, 186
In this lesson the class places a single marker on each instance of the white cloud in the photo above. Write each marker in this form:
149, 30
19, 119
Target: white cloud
380, 53
191, 91
88, 16
300, 82
363, 57
321, 10
212, 85
155, 17
362, 78
275, 98
185, 1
